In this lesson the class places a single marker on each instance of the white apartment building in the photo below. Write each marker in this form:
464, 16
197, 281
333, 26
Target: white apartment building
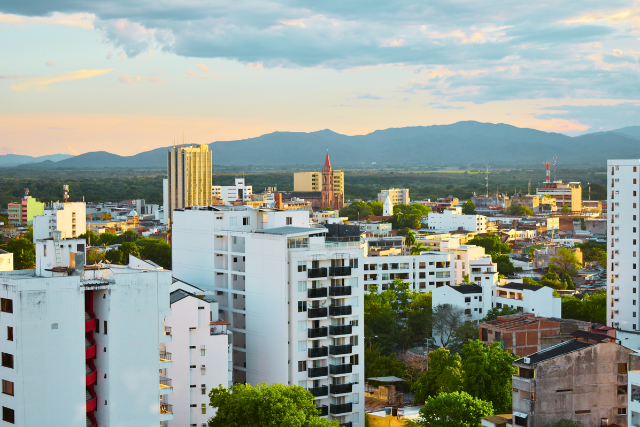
6, 260
69, 217
452, 219
233, 193
199, 354
293, 298
397, 196
80, 343
473, 299
622, 257
375, 228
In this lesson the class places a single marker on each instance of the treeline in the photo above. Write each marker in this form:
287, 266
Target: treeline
147, 248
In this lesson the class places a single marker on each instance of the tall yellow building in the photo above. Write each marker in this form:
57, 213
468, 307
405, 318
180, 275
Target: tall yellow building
189, 177
312, 181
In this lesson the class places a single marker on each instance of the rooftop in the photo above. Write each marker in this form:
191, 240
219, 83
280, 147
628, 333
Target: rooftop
467, 289
555, 351
291, 230
520, 287
591, 336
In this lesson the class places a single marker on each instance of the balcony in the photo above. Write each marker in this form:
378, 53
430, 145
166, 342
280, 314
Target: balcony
339, 271
89, 348
317, 273
89, 321
344, 310
336, 350
92, 401
340, 330
314, 333
340, 369
319, 391
91, 374
166, 408
165, 356
167, 330
165, 385
340, 388
318, 372
349, 424
343, 408
324, 410
315, 313
317, 293
340, 291
314, 353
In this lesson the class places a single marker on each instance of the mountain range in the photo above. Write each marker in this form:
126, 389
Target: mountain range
460, 143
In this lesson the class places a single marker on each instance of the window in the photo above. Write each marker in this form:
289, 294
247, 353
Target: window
302, 266
289, 220
467, 312
8, 415
7, 305
622, 368
302, 366
355, 378
7, 360
246, 220
302, 326
302, 306
354, 321
202, 350
622, 411
354, 301
9, 333
7, 387
467, 299
353, 282
302, 286
622, 389
354, 359
353, 340
564, 390
105, 327
233, 221
204, 408
302, 346
353, 263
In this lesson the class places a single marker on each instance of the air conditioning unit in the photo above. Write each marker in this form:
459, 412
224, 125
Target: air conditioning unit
527, 360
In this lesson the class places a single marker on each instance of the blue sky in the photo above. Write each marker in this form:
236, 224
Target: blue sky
130, 76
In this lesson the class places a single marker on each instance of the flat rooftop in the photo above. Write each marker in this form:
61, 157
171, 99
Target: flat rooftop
292, 230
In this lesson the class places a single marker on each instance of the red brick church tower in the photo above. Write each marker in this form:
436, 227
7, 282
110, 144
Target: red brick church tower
328, 199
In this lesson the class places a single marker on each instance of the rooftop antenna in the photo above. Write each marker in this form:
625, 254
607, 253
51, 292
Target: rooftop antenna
554, 167
529, 186
548, 165
65, 193
589, 184
487, 179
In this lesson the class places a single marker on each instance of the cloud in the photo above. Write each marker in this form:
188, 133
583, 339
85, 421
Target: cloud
126, 78
51, 63
203, 67
81, 20
156, 80
72, 150
595, 116
11, 76
41, 82
109, 54
366, 96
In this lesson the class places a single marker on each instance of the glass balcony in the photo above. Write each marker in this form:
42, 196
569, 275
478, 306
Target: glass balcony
318, 372
339, 271
343, 408
336, 350
315, 313
165, 356
166, 408
340, 291
319, 391
317, 332
314, 353
340, 369
317, 293
344, 310
341, 388
324, 410
316, 273
340, 330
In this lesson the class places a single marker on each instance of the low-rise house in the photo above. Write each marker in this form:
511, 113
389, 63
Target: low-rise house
538, 300
575, 380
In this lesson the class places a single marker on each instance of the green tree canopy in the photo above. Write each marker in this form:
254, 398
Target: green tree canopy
487, 374
491, 243
447, 318
272, 405
505, 265
443, 376
591, 308
457, 409
357, 210
469, 208
24, 253
565, 262
552, 280
594, 252
156, 250
519, 210
493, 313
530, 281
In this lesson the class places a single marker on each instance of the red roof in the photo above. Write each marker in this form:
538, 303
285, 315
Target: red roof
327, 163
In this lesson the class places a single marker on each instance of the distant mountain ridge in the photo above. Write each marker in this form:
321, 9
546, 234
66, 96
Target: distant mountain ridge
459, 143
17, 159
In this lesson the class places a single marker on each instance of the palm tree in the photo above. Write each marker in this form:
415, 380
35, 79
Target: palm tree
410, 238
418, 248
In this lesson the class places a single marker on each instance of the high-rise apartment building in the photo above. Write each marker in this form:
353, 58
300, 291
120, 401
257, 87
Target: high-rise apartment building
622, 244
188, 178
295, 299
397, 196
21, 213
80, 343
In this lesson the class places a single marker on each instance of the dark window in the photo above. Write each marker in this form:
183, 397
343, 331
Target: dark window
8, 415
353, 263
97, 326
9, 333
467, 299
302, 306
7, 305
622, 411
622, 368
7, 360
105, 327
302, 366
7, 387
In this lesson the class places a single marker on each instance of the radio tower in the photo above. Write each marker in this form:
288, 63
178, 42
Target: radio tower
487, 179
554, 168
548, 165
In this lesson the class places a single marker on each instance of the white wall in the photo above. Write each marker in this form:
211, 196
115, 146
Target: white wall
452, 219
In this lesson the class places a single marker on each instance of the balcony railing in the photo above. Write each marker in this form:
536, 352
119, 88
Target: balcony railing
341, 388
349, 424
314, 313
165, 355
340, 291
340, 330
317, 352
340, 369
167, 330
317, 332
165, 382
318, 372
340, 349
343, 408
317, 293
166, 408
324, 410
344, 310
339, 271
315, 273
319, 391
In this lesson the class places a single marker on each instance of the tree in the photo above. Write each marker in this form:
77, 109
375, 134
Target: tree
565, 208
465, 332
493, 313
457, 409
128, 248
265, 405
591, 308
530, 281
566, 262
552, 280
379, 365
487, 374
94, 240
443, 376
127, 236
446, 319
356, 211
505, 266
491, 243
24, 253
418, 248
108, 238
519, 210
469, 208
156, 250
410, 238
594, 252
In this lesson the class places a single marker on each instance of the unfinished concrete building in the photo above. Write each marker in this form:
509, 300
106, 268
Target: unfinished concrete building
576, 380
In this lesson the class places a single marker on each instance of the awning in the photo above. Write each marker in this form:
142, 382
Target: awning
520, 414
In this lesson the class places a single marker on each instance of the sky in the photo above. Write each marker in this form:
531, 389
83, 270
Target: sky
130, 76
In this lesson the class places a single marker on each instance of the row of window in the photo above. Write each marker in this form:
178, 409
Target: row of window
354, 359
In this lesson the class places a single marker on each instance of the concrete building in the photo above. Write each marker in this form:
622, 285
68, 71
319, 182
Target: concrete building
70, 218
567, 194
575, 380
538, 203
188, 178
452, 219
398, 196
622, 256
542, 258
376, 228
495, 200
294, 299
538, 300
81, 345
426, 272
323, 189
524, 334
6, 260
21, 213
233, 193
596, 226
473, 299
199, 355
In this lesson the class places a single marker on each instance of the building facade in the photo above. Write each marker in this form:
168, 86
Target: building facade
566, 194
240, 191
622, 247
452, 219
188, 177
70, 218
396, 195
294, 299
21, 213
323, 189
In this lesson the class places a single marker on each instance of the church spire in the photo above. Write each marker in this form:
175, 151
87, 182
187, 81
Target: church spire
327, 163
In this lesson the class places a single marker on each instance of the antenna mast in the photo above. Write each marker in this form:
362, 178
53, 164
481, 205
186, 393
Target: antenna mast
554, 167
487, 179
548, 165
589, 190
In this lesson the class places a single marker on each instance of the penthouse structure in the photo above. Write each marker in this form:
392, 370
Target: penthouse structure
293, 298
566, 194
80, 343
